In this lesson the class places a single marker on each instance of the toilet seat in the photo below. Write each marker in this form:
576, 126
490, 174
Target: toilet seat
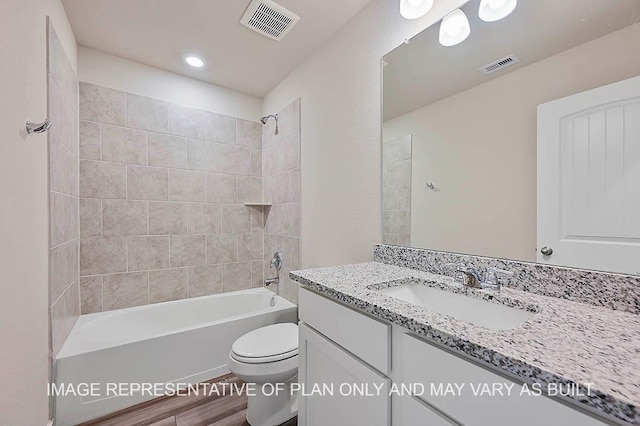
267, 344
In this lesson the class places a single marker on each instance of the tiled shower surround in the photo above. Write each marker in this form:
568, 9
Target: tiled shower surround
281, 171
64, 295
162, 193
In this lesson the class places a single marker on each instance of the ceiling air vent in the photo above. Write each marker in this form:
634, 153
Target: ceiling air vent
269, 19
499, 64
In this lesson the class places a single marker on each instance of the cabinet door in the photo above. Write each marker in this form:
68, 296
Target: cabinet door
337, 388
416, 413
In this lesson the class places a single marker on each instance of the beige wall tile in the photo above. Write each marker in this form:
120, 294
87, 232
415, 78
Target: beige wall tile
281, 156
102, 104
89, 140
167, 151
147, 183
168, 284
221, 188
186, 185
58, 332
63, 214
283, 187
102, 180
257, 274
124, 218
71, 306
186, 121
236, 276
220, 128
91, 294
167, 218
204, 218
103, 255
218, 158
125, 290
187, 250
236, 218
64, 263
222, 248
147, 252
249, 134
256, 162
90, 217
205, 280
147, 113
250, 246
257, 217
55, 103
63, 168
284, 219
249, 189
123, 145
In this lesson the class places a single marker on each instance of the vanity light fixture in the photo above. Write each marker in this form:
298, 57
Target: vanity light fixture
194, 61
414, 9
494, 10
454, 28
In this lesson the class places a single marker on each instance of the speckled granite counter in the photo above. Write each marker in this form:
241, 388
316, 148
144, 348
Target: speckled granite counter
565, 342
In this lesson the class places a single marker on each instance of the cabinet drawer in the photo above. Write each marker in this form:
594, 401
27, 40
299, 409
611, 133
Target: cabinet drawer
363, 336
504, 403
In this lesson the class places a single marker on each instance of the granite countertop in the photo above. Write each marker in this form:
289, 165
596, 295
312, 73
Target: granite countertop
574, 344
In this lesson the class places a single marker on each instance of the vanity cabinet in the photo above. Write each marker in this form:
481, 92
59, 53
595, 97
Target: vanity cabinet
333, 380
340, 345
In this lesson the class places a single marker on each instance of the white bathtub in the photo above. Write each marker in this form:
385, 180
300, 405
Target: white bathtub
184, 341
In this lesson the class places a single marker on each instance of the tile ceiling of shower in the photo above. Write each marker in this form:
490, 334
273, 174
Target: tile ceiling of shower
160, 32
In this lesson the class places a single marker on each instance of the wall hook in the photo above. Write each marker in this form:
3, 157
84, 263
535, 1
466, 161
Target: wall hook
38, 127
432, 187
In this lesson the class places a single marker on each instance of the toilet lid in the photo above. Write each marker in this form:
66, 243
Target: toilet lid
268, 342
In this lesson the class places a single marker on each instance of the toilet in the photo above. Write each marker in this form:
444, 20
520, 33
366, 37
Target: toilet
268, 357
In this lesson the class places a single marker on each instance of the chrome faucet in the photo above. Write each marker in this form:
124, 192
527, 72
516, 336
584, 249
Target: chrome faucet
471, 277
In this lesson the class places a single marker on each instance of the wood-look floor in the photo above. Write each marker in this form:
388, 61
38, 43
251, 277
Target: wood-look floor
192, 410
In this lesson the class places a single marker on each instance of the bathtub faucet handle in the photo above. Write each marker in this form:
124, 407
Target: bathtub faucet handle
276, 261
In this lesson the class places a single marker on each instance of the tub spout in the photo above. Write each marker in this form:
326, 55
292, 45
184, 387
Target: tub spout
270, 281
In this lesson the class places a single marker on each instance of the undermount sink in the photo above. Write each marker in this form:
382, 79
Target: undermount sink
465, 308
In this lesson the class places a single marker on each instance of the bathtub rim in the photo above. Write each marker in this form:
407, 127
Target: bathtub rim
282, 304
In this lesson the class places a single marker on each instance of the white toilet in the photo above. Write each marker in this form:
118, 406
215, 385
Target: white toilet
268, 356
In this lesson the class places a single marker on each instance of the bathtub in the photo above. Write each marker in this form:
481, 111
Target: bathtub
184, 341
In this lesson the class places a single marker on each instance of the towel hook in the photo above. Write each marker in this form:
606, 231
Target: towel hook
38, 127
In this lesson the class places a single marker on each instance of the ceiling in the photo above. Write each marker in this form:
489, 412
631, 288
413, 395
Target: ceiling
423, 71
161, 32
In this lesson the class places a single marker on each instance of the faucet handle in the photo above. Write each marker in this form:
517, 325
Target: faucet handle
491, 277
457, 277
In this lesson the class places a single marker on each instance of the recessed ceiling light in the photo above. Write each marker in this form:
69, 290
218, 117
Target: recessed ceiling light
194, 61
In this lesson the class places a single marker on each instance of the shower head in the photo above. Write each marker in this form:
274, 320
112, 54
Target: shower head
266, 118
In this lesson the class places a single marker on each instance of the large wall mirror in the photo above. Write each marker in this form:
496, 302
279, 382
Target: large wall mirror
536, 161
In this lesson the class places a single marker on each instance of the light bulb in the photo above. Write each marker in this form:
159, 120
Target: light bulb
494, 10
414, 9
454, 28
496, 4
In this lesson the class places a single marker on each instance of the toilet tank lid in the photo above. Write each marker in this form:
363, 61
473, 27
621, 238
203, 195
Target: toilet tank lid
267, 341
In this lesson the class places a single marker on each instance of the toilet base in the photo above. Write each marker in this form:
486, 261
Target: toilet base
272, 408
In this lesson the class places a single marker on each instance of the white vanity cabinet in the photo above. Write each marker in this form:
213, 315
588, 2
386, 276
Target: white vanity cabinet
341, 378
339, 345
